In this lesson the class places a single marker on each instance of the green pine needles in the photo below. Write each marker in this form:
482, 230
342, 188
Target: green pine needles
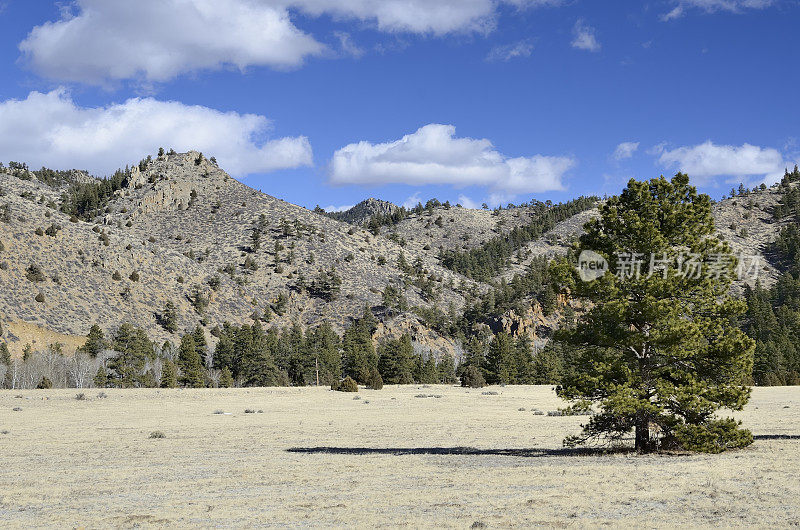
658, 350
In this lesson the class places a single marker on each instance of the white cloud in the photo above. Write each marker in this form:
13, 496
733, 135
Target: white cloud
584, 37
713, 6
466, 202
97, 41
510, 51
704, 162
625, 150
159, 39
411, 201
347, 45
433, 155
332, 208
51, 130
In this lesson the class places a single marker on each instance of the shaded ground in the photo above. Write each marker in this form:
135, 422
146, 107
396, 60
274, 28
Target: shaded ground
414, 456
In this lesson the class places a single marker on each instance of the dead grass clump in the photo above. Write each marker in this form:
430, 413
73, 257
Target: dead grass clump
157, 435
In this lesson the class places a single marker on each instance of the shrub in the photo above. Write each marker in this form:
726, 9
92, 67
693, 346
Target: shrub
157, 435
375, 381
34, 273
134, 277
40, 298
345, 385
116, 276
39, 232
44, 384
472, 378
80, 397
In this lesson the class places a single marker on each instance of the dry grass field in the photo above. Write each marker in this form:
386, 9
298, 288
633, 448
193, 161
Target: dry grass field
385, 462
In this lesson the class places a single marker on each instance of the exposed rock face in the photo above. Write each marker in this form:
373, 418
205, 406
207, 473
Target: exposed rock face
363, 211
425, 340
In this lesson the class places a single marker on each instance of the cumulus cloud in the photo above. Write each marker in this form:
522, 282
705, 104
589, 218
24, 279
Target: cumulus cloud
510, 51
704, 162
712, 6
97, 41
625, 150
51, 130
433, 155
584, 37
159, 39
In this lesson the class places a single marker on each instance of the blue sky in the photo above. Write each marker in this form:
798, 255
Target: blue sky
329, 102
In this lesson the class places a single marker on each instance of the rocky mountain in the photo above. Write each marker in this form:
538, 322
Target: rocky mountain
176, 229
364, 211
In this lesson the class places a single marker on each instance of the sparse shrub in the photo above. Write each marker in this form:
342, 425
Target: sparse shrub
472, 378
157, 435
345, 385
80, 397
34, 273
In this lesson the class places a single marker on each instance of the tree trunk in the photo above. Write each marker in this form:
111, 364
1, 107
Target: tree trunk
643, 444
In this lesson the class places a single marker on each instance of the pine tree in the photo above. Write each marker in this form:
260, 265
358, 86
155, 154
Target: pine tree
395, 358
132, 349
189, 363
500, 367
658, 349
5, 355
429, 375
95, 342
324, 349
169, 319
225, 378
168, 375
446, 369
523, 361
101, 378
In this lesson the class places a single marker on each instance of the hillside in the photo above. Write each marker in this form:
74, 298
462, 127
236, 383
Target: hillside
183, 229
178, 229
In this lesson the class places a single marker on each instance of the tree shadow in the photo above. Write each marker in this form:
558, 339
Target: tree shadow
776, 437
457, 451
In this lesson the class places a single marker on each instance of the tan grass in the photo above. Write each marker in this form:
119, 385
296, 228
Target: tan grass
71, 463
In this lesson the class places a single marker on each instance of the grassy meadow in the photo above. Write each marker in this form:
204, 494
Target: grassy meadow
415, 456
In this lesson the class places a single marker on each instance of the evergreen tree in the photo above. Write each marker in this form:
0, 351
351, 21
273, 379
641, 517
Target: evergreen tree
659, 347
358, 351
429, 375
5, 355
258, 366
446, 369
95, 342
395, 358
169, 319
132, 349
324, 348
225, 378
169, 377
101, 378
523, 361
500, 367
189, 363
